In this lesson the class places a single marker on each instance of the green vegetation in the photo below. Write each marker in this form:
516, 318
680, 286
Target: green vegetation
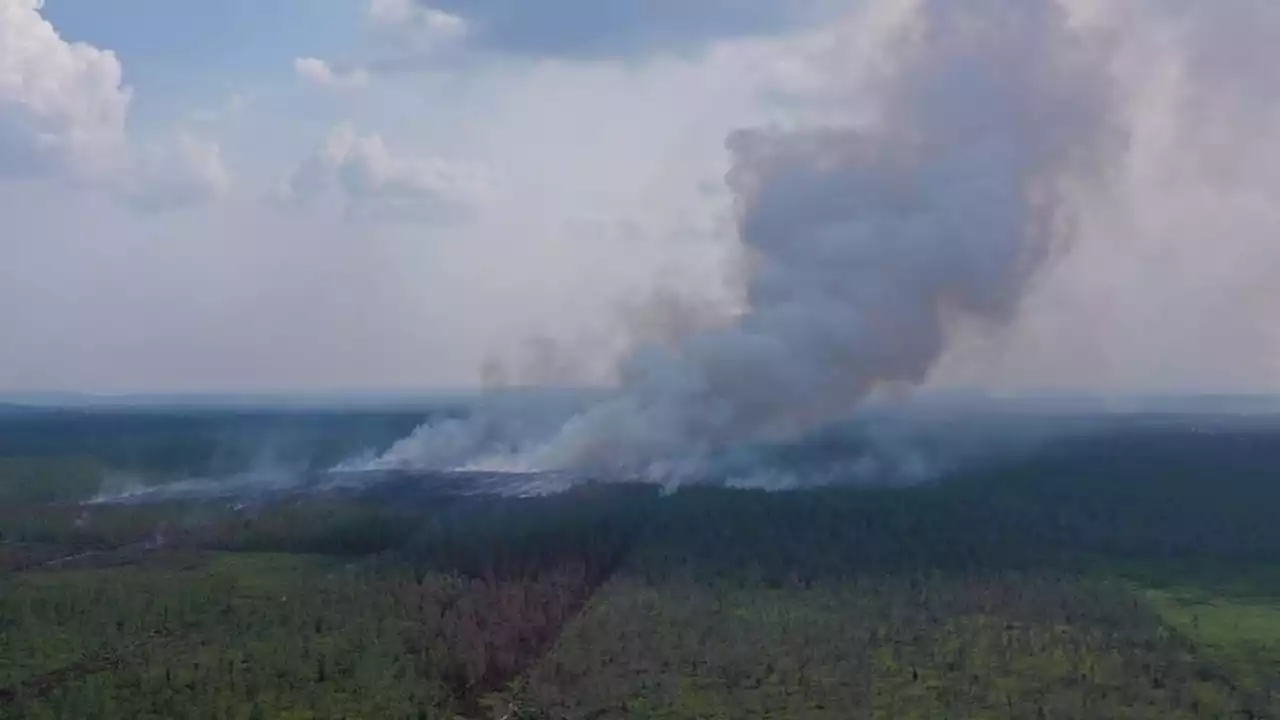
1013, 646
219, 635
1229, 613
155, 445
1136, 576
228, 637
26, 481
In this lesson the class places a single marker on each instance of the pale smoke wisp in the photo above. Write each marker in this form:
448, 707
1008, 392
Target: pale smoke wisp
866, 244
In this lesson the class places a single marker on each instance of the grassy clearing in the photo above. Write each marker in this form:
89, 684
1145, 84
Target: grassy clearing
1241, 636
1228, 612
1221, 623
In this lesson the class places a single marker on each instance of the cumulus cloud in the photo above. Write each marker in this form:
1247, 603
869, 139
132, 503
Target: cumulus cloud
63, 105
418, 20
64, 112
185, 171
372, 182
243, 295
402, 35
320, 72
413, 36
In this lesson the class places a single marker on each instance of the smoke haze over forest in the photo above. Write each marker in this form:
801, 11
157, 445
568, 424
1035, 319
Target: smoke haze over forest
925, 216
635, 358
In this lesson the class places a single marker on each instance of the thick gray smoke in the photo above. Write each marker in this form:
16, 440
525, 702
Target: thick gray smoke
865, 244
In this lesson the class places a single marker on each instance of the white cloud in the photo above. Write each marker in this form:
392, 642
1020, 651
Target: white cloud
186, 171
64, 112
402, 35
240, 295
320, 72
409, 35
417, 20
237, 294
372, 182
62, 105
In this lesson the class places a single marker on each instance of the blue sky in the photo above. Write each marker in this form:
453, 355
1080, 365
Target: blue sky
173, 47
192, 59
323, 195
232, 39
244, 199
182, 53
583, 28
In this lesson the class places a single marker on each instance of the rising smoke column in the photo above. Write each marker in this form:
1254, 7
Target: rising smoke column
866, 243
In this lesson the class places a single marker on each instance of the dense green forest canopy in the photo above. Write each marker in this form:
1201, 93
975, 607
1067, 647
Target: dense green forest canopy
1128, 573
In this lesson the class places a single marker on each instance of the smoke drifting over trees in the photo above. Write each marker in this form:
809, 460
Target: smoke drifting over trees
864, 243
982, 148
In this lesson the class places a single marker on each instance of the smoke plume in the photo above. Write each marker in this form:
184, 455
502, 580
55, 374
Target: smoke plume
866, 243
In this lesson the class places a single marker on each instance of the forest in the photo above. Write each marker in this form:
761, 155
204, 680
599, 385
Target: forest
1133, 573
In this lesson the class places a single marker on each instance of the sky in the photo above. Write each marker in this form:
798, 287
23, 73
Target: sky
332, 195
